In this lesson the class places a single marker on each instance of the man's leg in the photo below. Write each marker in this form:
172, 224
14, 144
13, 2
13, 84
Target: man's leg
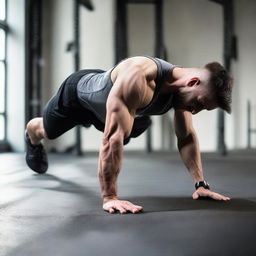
61, 113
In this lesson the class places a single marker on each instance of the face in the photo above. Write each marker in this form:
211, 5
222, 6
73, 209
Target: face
194, 99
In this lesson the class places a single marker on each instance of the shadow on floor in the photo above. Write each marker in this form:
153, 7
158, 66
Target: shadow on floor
154, 203
161, 204
63, 185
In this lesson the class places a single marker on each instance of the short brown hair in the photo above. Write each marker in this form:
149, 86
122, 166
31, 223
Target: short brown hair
222, 84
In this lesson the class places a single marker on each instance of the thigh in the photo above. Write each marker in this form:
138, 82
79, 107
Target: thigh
58, 120
63, 111
55, 121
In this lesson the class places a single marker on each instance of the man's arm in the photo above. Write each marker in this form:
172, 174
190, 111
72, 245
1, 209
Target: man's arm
118, 126
190, 153
122, 102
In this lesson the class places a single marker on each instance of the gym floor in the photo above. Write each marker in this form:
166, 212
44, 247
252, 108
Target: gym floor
60, 213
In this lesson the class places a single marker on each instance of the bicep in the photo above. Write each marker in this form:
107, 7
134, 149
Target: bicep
125, 97
183, 124
119, 119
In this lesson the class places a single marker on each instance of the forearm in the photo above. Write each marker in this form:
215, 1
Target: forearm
110, 159
190, 154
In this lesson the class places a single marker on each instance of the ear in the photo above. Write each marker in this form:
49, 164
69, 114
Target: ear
193, 81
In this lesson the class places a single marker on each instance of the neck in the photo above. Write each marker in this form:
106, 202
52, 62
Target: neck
178, 79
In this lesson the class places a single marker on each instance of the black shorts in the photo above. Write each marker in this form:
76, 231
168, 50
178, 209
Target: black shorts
63, 111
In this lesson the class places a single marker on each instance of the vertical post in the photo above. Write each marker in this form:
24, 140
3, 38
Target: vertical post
33, 58
121, 30
229, 53
37, 38
159, 38
159, 52
248, 124
221, 133
27, 61
77, 65
149, 140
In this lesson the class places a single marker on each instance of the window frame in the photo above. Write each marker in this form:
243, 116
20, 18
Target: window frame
4, 27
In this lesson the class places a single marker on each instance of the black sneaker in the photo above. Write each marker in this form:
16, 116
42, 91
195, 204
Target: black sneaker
36, 157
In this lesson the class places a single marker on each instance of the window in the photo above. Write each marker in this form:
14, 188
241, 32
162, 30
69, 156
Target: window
2, 9
3, 31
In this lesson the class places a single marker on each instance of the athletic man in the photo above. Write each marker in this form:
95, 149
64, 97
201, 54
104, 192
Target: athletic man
119, 102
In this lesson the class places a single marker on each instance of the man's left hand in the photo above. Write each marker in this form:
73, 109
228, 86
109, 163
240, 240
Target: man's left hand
202, 192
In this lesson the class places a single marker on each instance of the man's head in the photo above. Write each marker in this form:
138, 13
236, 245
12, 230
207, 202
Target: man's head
205, 88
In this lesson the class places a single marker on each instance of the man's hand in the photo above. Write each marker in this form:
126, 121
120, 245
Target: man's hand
122, 206
202, 192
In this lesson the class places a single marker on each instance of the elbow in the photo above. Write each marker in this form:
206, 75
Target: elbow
113, 143
116, 143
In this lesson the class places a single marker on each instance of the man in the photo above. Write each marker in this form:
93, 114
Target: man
118, 102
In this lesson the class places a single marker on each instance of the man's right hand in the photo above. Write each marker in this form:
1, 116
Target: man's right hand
113, 205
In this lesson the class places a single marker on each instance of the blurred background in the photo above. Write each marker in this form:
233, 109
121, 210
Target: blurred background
44, 41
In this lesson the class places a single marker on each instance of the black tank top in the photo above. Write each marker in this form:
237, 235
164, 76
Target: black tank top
93, 90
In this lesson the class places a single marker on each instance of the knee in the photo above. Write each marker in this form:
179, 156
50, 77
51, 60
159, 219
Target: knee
33, 124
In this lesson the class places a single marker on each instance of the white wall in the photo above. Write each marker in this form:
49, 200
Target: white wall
97, 51
187, 46
194, 36
140, 34
16, 74
193, 31
244, 69
57, 62
141, 41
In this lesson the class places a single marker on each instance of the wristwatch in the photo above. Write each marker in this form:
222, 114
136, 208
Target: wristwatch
203, 184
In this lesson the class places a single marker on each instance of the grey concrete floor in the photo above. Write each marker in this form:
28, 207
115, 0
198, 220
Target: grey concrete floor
60, 213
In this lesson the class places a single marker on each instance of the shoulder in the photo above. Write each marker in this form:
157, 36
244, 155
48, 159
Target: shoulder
132, 79
138, 65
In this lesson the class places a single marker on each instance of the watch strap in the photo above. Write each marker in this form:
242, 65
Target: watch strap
203, 184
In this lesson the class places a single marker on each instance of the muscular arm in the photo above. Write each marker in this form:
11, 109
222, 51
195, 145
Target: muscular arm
118, 126
189, 150
188, 144
125, 97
